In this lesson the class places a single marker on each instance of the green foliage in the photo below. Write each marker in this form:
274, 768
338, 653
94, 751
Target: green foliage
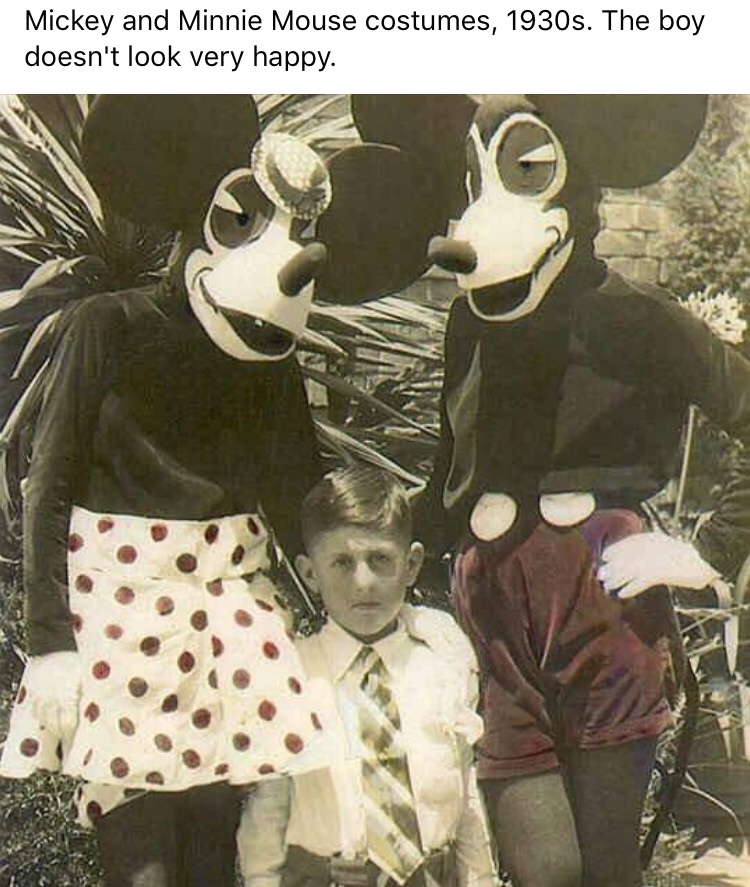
709, 198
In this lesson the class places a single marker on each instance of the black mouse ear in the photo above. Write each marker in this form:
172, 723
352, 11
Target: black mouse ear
385, 209
625, 141
156, 159
432, 127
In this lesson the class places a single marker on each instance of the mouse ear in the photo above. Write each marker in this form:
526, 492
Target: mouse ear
431, 127
384, 210
625, 141
156, 159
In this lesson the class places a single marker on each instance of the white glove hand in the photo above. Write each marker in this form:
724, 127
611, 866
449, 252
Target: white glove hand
645, 560
53, 682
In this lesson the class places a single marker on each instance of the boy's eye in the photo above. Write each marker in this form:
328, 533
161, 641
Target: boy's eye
342, 562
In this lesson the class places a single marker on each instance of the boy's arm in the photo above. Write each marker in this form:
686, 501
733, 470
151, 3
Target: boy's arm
261, 836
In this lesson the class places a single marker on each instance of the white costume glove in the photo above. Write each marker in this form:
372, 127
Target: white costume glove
644, 560
53, 682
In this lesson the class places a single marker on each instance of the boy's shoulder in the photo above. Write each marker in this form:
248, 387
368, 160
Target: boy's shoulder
441, 633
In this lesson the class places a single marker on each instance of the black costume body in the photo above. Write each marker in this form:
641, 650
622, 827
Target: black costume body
145, 416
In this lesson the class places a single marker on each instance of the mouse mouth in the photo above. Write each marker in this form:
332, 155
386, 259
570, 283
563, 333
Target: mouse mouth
261, 336
500, 298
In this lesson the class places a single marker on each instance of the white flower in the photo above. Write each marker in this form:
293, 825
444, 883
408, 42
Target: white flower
721, 311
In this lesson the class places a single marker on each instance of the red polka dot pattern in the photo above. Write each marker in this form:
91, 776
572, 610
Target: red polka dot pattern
150, 646
126, 554
186, 563
213, 679
21, 696
154, 778
164, 605
217, 646
119, 768
241, 741
113, 632
241, 679
270, 650
295, 686
29, 747
243, 618
137, 687
170, 703
211, 534
159, 532
216, 587
91, 712
293, 743
264, 605
266, 769
316, 721
94, 811
75, 542
105, 525
163, 742
186, 662
76, 622
127, 727
252, 525
124, 595
100, 670
238, 554
88, 756
199, 620
191, 759
221, 769
201, 718
84, 583
267, 710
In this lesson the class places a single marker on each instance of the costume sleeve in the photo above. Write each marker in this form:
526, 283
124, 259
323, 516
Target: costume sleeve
61, 455
261, 836
649, 340
431, 524
294, 464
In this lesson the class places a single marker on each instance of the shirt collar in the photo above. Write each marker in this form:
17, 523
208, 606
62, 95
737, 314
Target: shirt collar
341, 648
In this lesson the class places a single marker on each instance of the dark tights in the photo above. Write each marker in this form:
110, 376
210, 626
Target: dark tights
578, 825
172, 839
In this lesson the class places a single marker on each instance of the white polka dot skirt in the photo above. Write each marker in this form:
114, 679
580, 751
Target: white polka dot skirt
190, 675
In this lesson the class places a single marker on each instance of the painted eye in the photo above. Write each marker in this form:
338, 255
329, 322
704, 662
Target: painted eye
527, 159
240, 213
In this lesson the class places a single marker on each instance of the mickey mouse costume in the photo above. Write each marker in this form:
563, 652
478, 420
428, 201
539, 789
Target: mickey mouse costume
172, 417
563, 397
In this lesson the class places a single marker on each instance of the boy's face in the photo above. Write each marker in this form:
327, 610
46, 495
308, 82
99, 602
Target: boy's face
362, 577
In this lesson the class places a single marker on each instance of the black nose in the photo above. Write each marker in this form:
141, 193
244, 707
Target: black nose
302, 268
458, 256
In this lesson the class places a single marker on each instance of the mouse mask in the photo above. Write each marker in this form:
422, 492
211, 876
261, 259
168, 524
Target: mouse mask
264, 224
532, 166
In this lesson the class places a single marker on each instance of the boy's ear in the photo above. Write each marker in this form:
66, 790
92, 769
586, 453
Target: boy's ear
304, 567
414, 562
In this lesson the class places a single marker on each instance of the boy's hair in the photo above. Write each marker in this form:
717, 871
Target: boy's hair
358, 496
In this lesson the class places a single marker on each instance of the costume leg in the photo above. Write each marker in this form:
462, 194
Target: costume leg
208, 826
607, 789
535, 831
138, 843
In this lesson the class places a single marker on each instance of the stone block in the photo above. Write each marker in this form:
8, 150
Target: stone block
621, 243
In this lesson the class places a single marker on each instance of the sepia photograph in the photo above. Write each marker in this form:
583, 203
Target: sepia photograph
374, 490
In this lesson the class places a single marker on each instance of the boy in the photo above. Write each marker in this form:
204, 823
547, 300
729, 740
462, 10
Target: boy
396, 687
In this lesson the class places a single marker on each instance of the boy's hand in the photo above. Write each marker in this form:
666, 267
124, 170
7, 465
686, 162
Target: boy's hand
645, 560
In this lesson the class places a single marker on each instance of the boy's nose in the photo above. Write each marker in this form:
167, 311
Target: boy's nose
363, 577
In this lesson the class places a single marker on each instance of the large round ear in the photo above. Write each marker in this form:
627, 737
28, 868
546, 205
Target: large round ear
625, 141
383, 213
431, 127
157, 158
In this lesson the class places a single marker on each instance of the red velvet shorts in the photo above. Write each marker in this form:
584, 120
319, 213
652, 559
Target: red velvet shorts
562, 664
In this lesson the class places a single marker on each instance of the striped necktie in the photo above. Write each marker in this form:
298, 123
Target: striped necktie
393, 842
